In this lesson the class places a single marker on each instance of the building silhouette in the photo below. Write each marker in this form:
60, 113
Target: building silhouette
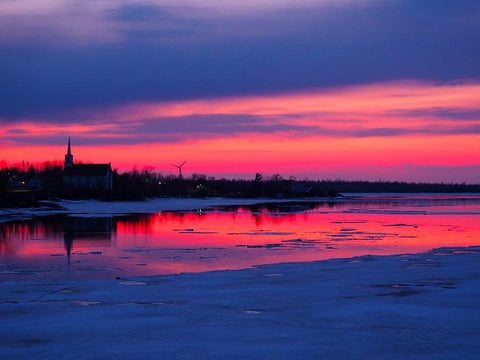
86, 176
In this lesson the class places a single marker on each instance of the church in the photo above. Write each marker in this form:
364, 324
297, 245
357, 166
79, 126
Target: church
86, 176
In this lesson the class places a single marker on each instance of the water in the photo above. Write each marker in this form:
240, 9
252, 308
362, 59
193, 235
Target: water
234, 237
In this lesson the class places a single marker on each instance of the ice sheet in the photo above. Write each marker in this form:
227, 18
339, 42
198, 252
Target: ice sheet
422, 306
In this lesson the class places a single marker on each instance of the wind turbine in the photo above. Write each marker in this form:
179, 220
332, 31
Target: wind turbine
179, 168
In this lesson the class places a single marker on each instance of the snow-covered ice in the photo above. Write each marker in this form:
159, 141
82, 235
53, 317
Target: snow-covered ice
94, 208
422, 306
102, 208
16, 214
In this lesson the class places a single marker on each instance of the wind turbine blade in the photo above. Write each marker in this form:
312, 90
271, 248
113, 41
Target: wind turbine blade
183, 163
174, 165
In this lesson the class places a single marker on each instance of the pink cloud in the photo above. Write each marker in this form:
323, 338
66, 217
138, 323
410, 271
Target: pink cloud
384, 127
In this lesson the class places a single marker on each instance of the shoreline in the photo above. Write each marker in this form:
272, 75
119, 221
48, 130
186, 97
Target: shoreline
106, 208
416, 306
93, 208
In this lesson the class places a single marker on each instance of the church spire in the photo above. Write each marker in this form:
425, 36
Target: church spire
68, 156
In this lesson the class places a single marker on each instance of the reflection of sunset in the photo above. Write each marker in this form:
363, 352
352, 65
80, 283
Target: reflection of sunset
192, 241
413, 234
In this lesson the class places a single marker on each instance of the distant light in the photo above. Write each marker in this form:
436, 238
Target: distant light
23, 182
159, 183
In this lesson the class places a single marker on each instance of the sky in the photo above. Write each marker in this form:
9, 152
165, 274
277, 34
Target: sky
324, 89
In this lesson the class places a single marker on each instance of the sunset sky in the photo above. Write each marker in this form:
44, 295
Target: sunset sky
323, 89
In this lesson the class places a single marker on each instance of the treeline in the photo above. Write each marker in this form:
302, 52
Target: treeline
27, 182
397, 187
30, 183
145, 184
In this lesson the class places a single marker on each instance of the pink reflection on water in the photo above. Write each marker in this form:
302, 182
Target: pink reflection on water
172, 242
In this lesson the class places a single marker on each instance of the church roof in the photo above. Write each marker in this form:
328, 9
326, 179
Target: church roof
87, 170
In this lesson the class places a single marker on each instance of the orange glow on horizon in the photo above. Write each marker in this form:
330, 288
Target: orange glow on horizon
393, 124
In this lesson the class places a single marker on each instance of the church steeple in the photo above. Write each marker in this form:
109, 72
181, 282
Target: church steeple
68, 156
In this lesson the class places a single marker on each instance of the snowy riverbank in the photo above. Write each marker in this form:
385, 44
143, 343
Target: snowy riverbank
101, 208
422, 306
94, 208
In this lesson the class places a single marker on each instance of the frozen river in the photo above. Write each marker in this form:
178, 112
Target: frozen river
79, 285
85, 245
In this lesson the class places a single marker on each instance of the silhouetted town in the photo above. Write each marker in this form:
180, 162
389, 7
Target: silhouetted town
28, 183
